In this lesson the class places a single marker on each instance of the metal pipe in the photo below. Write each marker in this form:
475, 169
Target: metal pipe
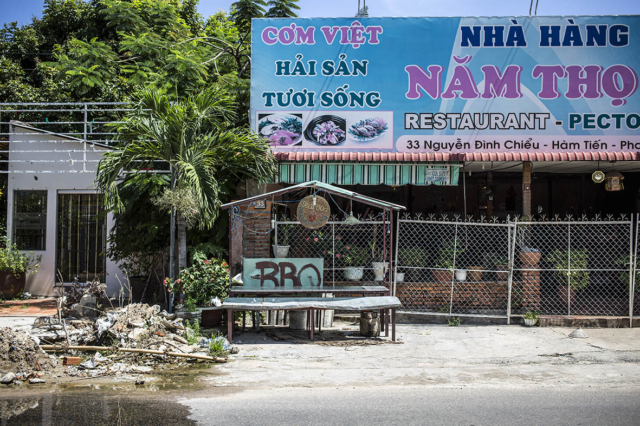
632, 269
512, 254
172, 242
464, 192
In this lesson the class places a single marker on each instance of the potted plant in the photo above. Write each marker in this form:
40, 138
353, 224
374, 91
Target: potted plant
448, 252
571, 272
379, 268
461, 275
15, 266
502, 266
206, 283
281, 249
354, 258
412, 257
529, 256
189, 311
624, 262
530, 318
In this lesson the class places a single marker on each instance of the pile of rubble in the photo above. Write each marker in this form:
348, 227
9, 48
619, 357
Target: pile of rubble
22, 358
133, 339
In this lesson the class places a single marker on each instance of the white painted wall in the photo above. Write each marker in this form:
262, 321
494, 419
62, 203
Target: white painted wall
27, 145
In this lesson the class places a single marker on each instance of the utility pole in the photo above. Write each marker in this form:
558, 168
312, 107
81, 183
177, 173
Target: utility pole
364, 12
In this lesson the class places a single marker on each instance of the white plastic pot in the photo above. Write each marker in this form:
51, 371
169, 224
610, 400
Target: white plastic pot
530, 322
353, 273
461, 275
280, 251
400, 277
379, 269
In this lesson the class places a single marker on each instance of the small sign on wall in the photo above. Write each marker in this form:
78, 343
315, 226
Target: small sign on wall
282, 273
313, 212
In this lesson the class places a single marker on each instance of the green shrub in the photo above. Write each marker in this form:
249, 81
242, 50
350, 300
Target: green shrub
202, 281
413, 256
192, 332
355, 256
12, 259
448, 251
571, 264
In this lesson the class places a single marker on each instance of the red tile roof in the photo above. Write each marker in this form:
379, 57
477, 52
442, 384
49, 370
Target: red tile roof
370, 157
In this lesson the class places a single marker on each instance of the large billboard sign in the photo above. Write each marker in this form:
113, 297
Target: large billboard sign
449, 85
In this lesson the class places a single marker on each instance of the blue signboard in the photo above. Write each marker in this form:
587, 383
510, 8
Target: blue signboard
282, 273
448, 85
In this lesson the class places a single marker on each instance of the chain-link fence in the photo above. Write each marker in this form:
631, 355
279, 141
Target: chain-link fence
573, 267
553, 267
358, 253
455, 267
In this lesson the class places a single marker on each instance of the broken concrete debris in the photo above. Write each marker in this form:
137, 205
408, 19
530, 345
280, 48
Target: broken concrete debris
133, 339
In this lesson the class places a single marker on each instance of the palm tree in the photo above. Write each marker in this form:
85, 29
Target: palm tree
242, 11
282, 9
193, 137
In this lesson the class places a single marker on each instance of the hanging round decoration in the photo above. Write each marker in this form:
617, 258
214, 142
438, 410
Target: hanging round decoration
597, 176
313, 212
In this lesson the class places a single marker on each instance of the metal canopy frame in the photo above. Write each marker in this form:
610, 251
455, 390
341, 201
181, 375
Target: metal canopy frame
314, 184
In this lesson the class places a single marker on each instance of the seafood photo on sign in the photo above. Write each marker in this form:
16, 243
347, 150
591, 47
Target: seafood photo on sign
281, 129
368, 129
326, 130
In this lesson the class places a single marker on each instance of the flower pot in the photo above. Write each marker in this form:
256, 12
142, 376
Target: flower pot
461, 275
210, 317
475, 273
529, 258
565, 293
442, 276
530, 322
191, 316
400, 277
379, 269
502, 276
11, 285
280, 251
353, 273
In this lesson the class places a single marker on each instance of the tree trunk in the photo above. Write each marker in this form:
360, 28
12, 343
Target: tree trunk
182, 242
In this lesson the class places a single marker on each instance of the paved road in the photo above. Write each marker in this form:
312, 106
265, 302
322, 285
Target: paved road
421, 406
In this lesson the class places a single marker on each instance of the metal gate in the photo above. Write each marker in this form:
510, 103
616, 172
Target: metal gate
453, 267
500, 269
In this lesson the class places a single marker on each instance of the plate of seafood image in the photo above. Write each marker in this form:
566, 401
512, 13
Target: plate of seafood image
368, 129
327, 130
281, 129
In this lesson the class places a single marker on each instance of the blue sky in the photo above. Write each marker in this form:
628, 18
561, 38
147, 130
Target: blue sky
23, 10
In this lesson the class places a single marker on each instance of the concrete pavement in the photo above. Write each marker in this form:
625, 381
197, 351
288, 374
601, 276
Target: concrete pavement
435, 355
467, 375
419, 406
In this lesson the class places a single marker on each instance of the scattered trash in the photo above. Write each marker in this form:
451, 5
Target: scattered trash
579, 334
136, 338
20, 352
8, 379
35, 381
71, 360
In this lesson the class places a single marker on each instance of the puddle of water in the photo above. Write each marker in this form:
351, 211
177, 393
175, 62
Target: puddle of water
106, 400
75, 408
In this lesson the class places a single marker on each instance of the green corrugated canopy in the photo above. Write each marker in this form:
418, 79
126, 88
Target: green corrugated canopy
392, 174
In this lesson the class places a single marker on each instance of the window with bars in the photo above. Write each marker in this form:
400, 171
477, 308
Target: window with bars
30, 219
81, 245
